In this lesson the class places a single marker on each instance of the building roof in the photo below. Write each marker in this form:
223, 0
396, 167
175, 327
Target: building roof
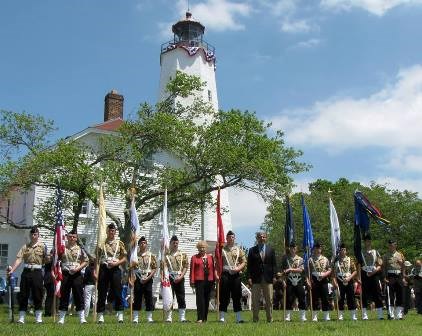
110, 125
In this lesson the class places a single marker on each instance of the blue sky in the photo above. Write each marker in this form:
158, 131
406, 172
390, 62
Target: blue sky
342, 78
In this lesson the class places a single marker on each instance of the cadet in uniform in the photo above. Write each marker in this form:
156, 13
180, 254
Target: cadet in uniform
177, 263
393, 269
34, 255
110, 257
73, 260
144, 272
320, 270
234, 261
370, 276
292, 268
344, 274
417, 285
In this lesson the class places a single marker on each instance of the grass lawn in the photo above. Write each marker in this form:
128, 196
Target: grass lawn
412, 325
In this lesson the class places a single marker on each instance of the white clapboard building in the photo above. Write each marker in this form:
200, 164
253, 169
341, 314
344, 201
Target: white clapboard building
187, 52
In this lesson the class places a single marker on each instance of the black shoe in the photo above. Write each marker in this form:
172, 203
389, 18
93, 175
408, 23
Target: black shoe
240, 321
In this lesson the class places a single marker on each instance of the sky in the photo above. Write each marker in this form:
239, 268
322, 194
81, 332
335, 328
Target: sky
341, 78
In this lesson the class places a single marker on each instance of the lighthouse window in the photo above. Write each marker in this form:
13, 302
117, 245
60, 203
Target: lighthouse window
209, 95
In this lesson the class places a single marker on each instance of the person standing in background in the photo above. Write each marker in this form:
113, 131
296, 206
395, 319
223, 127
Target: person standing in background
262, 270
202, 279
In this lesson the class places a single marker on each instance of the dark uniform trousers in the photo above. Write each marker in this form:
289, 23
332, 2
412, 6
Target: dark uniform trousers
230, 286
293, 292
346, 291
178, 289
203, 290
74, 283
395, 285
49, 290
109, 279
278, 295
320, 291
31, 282
143, 291
371, 290
418, 302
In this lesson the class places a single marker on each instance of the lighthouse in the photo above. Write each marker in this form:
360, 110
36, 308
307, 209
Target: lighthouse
190, 53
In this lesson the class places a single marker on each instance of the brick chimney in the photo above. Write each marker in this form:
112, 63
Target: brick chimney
113, 106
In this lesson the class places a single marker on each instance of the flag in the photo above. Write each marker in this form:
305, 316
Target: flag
135, 233
335, 231
289, 228
59, 244
363, 208
102, 227
308, 238
220, 238
166, 292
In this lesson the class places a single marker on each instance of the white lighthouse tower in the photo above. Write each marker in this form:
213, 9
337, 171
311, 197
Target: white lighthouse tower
190, 53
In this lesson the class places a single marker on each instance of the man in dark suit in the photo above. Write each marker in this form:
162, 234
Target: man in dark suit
261, 270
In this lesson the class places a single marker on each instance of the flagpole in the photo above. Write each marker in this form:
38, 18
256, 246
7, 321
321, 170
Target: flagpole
361, 288
333, 257
131, 285
284, 288
310, 281
54, 280
97, 251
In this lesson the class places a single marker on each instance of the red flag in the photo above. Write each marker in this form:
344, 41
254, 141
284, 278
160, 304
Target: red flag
59, 244
220, 238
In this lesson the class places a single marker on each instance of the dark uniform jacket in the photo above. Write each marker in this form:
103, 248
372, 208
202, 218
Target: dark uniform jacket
261, 268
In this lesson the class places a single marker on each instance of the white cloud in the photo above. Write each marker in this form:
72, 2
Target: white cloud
248, 212
298, 26
405, 161
414, 185
247, 208
311, 43
390, 118
218, 15
280, 7
376, 7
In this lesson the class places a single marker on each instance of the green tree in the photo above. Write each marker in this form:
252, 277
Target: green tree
402, 208
189, 149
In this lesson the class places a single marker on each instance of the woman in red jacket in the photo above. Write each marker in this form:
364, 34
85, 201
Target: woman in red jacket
202, 278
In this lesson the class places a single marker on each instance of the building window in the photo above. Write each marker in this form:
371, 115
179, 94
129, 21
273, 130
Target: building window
85, 209
209, 96
4, 253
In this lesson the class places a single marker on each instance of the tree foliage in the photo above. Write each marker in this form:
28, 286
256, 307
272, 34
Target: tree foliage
402, 208
190, 149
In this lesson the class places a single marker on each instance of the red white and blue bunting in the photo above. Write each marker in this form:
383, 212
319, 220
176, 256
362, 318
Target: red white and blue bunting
192, 51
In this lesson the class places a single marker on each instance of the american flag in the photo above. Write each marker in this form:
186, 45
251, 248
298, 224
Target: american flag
59, 243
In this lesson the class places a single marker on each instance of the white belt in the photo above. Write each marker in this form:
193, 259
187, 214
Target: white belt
340, 275
175, 273
107, 260
368, 268
228, 268
394, 272
29, 266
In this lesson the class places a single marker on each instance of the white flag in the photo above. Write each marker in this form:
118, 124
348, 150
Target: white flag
136, 231
166, 293
102, 225
335, 230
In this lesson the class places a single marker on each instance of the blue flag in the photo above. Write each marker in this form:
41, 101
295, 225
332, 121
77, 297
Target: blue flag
289, 228
308, 238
